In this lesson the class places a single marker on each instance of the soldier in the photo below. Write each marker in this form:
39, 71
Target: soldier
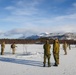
69, 47
65, 48
47, 53
13, 48
2, 48
56, 49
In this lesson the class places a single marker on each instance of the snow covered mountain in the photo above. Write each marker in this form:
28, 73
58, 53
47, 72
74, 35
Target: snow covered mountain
61, 36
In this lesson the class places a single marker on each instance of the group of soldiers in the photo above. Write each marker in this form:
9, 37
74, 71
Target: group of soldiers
47, 53
3, 47
56, 50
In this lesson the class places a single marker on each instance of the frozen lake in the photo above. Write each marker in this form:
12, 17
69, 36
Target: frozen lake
28, 60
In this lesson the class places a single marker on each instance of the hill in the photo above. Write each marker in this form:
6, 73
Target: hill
60, 36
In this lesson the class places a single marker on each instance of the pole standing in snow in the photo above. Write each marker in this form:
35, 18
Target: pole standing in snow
47, 53
56, 49
13, 48
2, 48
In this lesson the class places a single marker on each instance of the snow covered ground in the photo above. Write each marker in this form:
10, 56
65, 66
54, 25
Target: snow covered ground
28, 60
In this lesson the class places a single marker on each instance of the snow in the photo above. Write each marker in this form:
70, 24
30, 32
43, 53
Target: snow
28, 60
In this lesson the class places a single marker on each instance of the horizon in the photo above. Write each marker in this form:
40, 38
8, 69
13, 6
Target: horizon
31, 36
25, 17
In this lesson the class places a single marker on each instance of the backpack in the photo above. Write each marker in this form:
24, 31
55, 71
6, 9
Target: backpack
11, 46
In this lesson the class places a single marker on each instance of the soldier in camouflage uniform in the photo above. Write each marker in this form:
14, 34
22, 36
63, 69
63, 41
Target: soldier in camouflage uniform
47, 53
65, 48
69, 47
56, 49
2, 48
13, 48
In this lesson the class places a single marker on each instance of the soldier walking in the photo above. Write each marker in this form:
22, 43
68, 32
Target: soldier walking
2, 48
47, 53
56, 49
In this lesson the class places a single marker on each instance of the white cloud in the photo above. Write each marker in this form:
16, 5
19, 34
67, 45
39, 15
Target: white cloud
9, 8
22, 13
35, 30
66, 17
58, 1
74, 4
45, 24
65, 23
65, 28
72, 9
26, 12
59, 20
19, 31
24, 7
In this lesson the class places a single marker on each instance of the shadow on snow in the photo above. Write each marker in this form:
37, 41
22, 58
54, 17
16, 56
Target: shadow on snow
23, 62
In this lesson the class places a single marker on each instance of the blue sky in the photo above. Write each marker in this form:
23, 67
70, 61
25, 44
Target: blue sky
22, 17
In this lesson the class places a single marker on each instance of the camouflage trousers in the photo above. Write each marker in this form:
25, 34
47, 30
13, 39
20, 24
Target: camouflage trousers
56, 58
2, 51
48, 58
13, 50
65, 51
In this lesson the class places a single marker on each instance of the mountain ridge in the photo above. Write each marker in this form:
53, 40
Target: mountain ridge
61, 36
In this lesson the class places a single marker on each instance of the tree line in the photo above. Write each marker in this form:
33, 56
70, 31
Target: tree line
32, 41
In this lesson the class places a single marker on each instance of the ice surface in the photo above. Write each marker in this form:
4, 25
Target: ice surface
28, 60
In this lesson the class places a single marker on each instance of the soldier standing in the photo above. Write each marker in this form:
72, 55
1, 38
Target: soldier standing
47, 53
56, 49
69, 47
13, 48
2, 48
65, 48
